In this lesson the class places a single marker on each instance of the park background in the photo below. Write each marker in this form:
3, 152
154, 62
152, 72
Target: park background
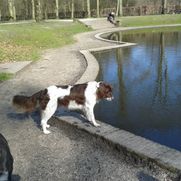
12, 10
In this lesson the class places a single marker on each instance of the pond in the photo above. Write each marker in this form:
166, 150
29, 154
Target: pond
146, 80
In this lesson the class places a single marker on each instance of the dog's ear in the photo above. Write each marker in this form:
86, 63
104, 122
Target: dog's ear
105, 85
99, 84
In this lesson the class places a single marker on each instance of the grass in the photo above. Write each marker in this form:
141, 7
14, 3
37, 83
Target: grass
5, 76
23, 42
26, 41
150, 20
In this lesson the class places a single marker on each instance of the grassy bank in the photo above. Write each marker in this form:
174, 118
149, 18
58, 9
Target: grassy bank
150, 20
26, 41
5, 76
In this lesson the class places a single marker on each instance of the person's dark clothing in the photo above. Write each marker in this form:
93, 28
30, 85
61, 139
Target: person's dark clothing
111, 18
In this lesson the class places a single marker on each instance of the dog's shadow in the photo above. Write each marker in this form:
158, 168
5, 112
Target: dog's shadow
61, 112
25, 116
36, 116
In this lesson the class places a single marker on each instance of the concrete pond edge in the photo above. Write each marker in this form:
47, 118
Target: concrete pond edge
144, 151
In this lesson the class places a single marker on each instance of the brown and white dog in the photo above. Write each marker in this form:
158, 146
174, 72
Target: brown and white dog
79, 96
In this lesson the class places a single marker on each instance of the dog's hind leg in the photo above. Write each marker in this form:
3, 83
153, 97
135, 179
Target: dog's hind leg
47, 114
44, 125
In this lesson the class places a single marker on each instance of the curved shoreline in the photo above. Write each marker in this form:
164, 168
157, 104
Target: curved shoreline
92, 65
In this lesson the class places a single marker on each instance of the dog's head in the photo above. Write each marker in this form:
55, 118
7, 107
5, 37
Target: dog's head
104, 91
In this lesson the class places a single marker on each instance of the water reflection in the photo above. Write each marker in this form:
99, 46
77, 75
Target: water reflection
147, 86
161, 88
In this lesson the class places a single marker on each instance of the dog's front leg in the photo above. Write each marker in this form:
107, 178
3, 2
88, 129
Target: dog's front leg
89, 111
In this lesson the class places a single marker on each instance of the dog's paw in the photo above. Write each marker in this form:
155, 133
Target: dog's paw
46, 132
97, 125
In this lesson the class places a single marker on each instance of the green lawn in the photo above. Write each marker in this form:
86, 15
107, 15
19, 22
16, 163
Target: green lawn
26, 41
5, 76
150, 20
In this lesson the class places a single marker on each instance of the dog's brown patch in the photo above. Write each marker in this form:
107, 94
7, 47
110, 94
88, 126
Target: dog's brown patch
76, 94
43, 99
28, 103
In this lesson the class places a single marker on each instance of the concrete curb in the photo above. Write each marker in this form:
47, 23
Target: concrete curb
92, 69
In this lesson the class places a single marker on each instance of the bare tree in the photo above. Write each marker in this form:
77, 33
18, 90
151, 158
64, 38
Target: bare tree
12, 10
120, 7
33, 9
119, 10
38, 15
72, 11
83, 5
88, 8
164, 6
98, 15
57, 9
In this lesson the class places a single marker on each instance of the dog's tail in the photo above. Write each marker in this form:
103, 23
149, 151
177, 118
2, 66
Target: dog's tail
28, 103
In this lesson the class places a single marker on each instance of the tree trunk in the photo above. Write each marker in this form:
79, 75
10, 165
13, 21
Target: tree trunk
72, 11
88, 8
12, 10
45, 11
33, 9
57, 9
38, 15
26, 9
83, 5
119, 9
98, 15
164, 6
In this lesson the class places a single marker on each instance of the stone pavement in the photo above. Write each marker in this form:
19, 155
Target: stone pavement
13, 67
97, 23
67, 153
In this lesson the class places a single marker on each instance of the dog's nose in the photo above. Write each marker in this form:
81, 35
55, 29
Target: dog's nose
110, 98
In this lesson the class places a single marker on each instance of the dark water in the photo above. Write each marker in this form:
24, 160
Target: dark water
147, 87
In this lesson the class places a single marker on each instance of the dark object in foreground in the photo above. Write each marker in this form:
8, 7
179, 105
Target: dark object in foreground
6, 160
